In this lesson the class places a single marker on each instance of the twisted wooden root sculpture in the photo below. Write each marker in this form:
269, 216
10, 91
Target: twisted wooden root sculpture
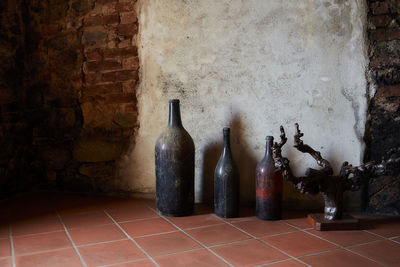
323, 181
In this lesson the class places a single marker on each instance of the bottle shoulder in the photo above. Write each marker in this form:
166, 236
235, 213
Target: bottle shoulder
174, 136
267, 163
226, 165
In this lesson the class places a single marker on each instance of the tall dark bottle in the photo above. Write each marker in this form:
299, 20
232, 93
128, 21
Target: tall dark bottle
226, 182
174, 156
269, 186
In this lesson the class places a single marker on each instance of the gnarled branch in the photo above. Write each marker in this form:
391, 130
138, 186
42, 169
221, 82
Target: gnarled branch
298, 143
355, 176
322, 181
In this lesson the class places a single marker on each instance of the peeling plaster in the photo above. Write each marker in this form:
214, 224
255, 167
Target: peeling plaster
251, 65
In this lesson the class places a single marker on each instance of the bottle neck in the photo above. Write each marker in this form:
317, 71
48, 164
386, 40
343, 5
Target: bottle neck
227, 143
174, 114
268, 148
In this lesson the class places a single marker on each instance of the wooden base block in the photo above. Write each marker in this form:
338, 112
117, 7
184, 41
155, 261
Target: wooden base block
318, 221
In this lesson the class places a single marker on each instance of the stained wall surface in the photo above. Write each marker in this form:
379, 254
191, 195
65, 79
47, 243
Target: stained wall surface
252, 65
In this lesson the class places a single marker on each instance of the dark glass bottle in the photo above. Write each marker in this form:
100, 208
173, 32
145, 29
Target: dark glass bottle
174, 157
269, 185
226, 182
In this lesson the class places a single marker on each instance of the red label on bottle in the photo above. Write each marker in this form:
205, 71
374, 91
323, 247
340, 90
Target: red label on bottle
261, 193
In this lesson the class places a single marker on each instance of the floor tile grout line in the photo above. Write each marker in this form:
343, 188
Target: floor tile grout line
283, 233
320, 252
44, 251
338, 249
395, 241
287, 254
75, 228
91, 226
239, 220
363, 256
136, 220
381, 236
342, 247
41, 233
345, 247
296, 229
201, 244
230, 243
11, 246
101, 242
362, 244
203, 226
72, 242
123, 262
319, 237
115, 240
105, 224
131, 239
179, 252
266, 243
156, 234
284, 252
274, 262
154, 210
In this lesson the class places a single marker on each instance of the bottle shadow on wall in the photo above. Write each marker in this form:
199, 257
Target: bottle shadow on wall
296, 204
246, 161
211, 155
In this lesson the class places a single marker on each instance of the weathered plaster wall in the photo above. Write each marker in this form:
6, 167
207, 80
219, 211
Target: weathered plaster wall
251, 65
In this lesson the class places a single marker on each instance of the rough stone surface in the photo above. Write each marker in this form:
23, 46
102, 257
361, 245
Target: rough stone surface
251, 65
68, 104
97, 151
383, 127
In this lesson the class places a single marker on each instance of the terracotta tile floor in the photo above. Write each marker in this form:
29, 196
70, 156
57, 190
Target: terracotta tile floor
72, 230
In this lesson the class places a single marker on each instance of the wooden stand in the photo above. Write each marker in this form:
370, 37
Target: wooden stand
318, 221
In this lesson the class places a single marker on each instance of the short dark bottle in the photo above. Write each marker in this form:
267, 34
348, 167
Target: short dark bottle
174, 157
226, 182
269, 185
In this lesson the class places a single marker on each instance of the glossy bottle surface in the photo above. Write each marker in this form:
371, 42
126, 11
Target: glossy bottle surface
226, 182
269, 186
174, 158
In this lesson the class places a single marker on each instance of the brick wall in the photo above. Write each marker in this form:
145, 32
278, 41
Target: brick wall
68, 112
384, 123
108, 99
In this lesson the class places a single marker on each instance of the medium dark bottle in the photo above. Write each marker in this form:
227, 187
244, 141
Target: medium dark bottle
226, 182
269, 186
174, 157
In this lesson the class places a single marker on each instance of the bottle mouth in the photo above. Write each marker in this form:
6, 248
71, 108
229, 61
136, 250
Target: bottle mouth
174, 101
226, 130
269, 138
